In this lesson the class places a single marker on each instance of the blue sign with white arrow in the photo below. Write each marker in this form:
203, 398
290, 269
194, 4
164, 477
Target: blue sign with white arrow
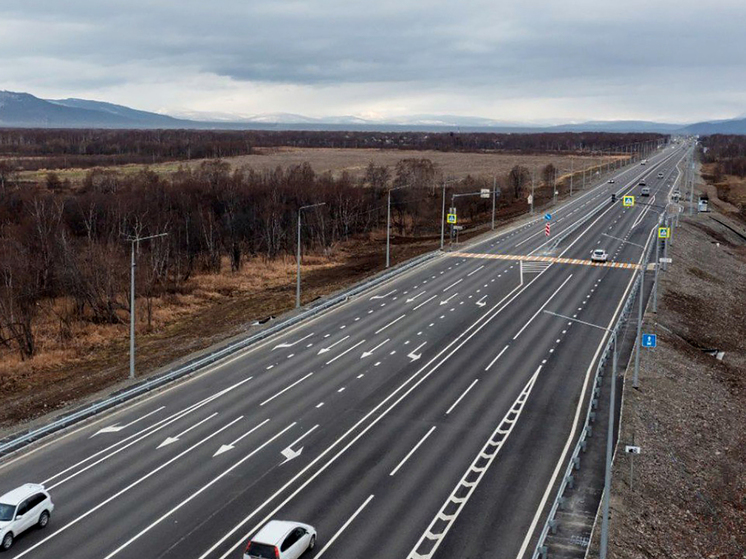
547, 216
649, 340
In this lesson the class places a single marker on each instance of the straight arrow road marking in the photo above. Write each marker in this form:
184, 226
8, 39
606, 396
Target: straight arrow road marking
413, 355
390, 323
415, 297
369, 353
325, 349
344, 352
285, 389
382, 296
424, 302
169, 440
231, 446
293, 343
288, 451
449, 298
117, 428
481, 302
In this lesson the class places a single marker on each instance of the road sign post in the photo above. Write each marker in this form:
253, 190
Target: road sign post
547, 229
649, 340
628, 201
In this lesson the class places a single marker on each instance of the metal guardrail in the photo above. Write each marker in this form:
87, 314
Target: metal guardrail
574, 463
16, 441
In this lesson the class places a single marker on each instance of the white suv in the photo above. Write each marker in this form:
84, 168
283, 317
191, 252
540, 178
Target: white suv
279, 539
25, 507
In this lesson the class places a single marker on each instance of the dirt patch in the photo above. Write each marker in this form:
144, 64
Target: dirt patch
688, 492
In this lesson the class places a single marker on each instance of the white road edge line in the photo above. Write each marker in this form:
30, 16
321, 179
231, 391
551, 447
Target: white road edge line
411, 452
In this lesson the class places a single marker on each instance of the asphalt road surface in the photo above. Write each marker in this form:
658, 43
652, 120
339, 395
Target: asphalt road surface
428, 418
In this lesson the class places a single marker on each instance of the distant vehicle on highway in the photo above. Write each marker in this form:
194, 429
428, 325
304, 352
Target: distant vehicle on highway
675, 195
280, 539
25, 507
643, 162
599, 255
611, 181
642, 182
645, 191
660, 175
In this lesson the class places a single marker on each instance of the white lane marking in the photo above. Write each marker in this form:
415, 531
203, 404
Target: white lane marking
482, 302
530, 320
319, 404
325, 349
390, 323
424, 302
382, 296
286, 344
462, 396
270, 367
195, 494
231, 446
344, 352
449, 298
489, 451
413, 355
116, 428
135, 483
163, 423
454, 283
411, 452
344, 527
341, 389
169, 440
370, 352
475, 271
487, 368
410, 299
285, 389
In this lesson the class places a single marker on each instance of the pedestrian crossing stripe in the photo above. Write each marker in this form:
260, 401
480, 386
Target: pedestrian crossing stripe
548, 259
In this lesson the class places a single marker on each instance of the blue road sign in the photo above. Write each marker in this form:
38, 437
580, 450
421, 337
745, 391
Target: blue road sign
649, 340
547, 216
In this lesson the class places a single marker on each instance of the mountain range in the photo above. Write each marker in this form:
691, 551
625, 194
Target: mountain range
23, 110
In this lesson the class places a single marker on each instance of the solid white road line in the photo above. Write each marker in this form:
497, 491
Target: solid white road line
462, 396
285, 389
474, 272
541, 308
454, 283
119, 493
487, 368
344, 526
345, 352
390, 323
411, 452
196, 493
424, 302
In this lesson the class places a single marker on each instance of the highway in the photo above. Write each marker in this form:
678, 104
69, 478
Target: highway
426, 418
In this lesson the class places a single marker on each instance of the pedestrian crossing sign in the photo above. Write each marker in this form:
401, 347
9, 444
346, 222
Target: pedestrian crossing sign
664, 232
451, 218
628, 201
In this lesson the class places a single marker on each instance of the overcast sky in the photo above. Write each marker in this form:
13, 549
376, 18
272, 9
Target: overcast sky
519, 60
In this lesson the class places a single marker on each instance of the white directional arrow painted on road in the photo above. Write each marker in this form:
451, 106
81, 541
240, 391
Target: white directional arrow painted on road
285, 344
424, 302
325, 349
413, 355
231, 446
415, 297
369, 353
289, 453
116, 428
481, 302
169, 440
382, 296
449, 298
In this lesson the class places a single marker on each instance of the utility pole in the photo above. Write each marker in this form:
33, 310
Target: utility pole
572, 161
443, 217
135, 247
494, 199
297, 280
533, 180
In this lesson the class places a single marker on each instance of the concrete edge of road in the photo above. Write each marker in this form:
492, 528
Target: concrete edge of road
18, 440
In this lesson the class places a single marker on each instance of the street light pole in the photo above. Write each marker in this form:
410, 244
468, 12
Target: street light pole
297, 279
494, 199
609, 455
572, 161
388, 224
533, 180
135, 246
443, 218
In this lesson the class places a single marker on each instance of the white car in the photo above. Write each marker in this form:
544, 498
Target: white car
599, 255
25, 507
280, 539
